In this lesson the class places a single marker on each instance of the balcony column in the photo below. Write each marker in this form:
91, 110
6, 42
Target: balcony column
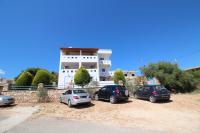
80, 63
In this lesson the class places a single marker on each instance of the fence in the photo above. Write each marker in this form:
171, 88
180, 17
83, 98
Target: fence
31, 88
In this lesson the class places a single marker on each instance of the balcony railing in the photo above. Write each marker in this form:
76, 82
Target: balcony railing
77, 58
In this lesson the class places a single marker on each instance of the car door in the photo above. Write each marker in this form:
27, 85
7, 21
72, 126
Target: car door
146, 92
107, 92
68, 95
102, 93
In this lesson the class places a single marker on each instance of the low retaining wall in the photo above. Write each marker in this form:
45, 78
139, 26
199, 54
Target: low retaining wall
25, 96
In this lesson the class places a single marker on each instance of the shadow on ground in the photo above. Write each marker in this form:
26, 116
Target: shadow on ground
8, 106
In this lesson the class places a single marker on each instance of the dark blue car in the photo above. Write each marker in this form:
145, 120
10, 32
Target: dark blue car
113, 93
152, 93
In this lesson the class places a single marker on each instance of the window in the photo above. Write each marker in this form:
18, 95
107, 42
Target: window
133, 75
72, 57
90, 57
125, 75
94, 70
66, 67
79, 91
83, 57
69, 92
75, 57
101, 59
72, 71
87, 57
103, 89
103, 70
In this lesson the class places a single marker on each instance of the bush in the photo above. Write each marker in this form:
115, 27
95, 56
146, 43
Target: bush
119, 76
42, 76
42, 93
82, 77
25, 79
33, 72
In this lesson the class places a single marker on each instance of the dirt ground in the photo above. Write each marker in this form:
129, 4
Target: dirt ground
180, 115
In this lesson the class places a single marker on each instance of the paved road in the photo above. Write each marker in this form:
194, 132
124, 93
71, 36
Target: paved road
10, 117
56, 125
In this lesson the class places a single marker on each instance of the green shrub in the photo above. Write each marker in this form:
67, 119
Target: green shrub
82, 77
33, 72
119, 76
24, 79
42, 76
42, 93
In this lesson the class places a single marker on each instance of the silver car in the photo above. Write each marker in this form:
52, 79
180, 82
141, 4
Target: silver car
6, 100
75, 97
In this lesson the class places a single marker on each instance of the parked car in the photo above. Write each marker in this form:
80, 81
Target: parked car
113, 93
75, 97
152, 93
6, 100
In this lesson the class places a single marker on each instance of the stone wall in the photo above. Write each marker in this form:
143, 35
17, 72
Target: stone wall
25, 96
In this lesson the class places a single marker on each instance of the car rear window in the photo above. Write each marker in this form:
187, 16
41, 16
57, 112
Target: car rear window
160, 88
79, 91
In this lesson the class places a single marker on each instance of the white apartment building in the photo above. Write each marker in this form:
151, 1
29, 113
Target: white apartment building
96, 61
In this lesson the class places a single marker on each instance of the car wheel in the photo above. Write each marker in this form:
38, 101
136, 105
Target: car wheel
152, 99
60, 100
69, 104
135, 96
112, 99
96, 97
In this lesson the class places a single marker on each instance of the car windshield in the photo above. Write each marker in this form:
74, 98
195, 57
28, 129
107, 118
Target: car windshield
79, 91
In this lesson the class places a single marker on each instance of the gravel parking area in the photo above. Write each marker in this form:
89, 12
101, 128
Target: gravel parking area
181, 115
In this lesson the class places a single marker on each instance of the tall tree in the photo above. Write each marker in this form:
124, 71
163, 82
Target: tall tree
170, 75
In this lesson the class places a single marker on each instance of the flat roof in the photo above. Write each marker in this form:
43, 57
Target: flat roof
78, 49
192, 68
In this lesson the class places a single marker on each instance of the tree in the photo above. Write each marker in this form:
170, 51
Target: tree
25, 79
170, 75
119, 76
42, 76
54, 77
82, 77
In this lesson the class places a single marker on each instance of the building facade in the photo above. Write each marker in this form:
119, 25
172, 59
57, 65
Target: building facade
96, 61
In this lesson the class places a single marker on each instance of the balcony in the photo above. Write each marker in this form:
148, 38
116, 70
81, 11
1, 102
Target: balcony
105, 62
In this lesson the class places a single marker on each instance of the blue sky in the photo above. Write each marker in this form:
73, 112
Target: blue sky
138, 31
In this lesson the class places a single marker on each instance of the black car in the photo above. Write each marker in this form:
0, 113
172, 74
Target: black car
152, 93
113, 93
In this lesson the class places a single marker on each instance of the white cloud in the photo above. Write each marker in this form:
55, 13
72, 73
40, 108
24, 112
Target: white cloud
2, 72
